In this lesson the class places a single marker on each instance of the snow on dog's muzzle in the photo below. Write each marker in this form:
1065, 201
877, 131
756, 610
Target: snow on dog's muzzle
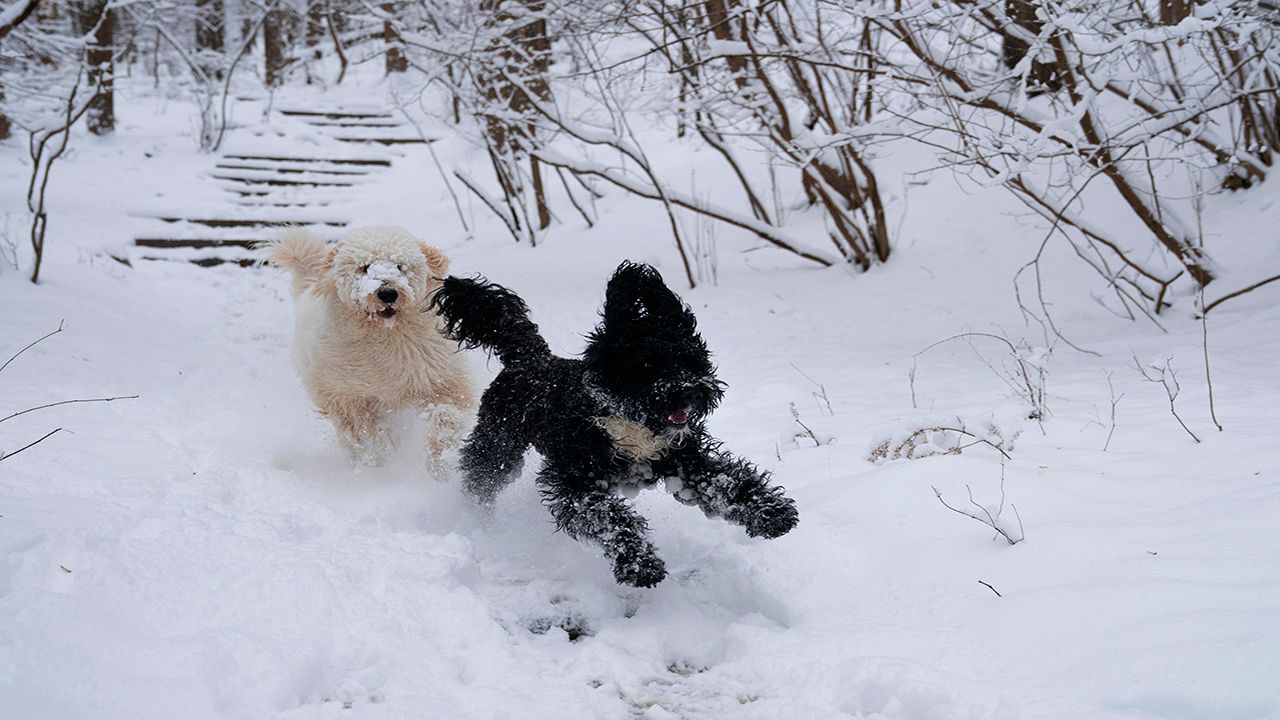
388, 296
381, 289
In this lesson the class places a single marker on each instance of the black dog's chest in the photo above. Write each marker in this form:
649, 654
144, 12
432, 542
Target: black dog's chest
637, 476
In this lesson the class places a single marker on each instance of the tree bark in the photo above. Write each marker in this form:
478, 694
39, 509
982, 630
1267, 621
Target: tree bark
396, 60
17, 19
317, 13
273, 36
6, 125
1042, 76
94, 17
210, 21
1173, 12
524, 49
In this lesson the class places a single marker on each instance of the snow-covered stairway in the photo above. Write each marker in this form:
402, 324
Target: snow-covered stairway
360, 126
299, 169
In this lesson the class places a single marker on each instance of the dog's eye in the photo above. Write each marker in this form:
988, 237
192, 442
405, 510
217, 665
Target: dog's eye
364, 268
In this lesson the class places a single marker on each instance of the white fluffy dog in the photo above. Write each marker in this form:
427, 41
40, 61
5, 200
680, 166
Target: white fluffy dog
363, 344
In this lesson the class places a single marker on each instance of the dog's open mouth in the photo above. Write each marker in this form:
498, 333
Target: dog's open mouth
679, 417
386, 313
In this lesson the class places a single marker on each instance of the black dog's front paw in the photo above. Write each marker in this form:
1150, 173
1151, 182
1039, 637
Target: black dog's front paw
641, 569
773, 518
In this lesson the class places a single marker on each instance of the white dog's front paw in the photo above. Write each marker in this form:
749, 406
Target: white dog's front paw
368, 449
446, 427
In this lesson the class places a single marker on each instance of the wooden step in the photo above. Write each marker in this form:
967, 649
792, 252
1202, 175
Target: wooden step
385, 140
377, 162
279, 204
295, 196
212, 261
160, 242
290, 168
280, 182
250, 223
338, 114
351, 123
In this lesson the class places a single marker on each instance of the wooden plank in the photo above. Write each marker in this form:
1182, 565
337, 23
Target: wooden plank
338, 114
287, 168
155, 242
351, 123
250, 223
385, 140
281, 181
207, 261
279, 204
378, 162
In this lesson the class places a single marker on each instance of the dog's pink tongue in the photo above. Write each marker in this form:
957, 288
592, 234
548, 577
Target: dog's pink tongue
679, 417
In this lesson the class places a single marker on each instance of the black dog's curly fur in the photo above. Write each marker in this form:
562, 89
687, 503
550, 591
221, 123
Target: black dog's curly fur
644, 362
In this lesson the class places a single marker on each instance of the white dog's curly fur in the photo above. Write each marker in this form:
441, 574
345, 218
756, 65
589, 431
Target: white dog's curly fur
364, 345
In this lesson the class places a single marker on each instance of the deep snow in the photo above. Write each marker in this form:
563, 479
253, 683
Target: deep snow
204, 550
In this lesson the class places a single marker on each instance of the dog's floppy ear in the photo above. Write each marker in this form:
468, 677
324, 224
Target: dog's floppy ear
437, 261
636, 291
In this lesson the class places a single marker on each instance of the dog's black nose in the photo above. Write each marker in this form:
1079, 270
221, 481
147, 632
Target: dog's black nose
388, 295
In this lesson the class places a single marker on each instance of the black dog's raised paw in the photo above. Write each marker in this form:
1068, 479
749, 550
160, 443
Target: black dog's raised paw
772, 519
640, 570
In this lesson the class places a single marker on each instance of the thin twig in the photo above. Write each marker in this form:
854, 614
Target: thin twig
997, 592
1208, 378
1167, 379
37, 342
1240, 292
795, 414
5, 456
988, 520
1029, 391
976, 439
822, 390
67, 402
1114, 401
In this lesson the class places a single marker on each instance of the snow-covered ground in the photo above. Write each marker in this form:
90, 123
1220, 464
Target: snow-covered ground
205, 551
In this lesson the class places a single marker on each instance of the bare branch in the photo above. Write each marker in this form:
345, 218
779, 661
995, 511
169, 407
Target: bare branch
5, 456
986, 518
67, 402
37, 342
12, 17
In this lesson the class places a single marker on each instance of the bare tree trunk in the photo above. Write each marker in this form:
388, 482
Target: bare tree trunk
331, 23
1173, 12
94, 17
317, 12
396, 60
26, 11
6, 125
210, 21
273, 38
539, 194
1023, 14
722, 27
523, 51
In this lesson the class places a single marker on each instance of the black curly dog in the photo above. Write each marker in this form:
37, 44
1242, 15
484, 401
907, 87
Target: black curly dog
631, 412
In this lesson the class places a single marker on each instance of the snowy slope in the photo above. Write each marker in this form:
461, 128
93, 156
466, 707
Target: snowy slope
203, 551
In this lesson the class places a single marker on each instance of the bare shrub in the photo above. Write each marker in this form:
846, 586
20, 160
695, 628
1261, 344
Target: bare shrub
4, 455
1162, 374
1023, 370
935, 438
990, 515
